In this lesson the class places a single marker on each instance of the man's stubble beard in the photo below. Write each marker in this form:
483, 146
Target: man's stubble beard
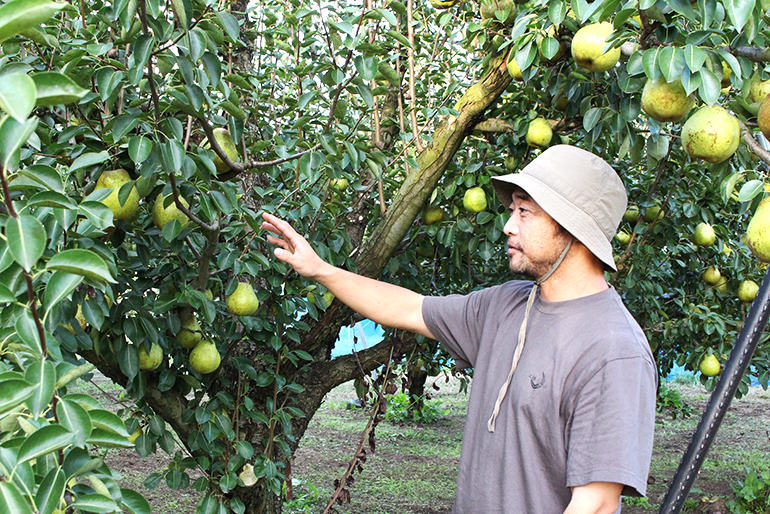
536, 269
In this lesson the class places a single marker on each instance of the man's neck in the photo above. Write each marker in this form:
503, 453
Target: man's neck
579, 275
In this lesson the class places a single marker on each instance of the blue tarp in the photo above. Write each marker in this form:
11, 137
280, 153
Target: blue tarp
360, 336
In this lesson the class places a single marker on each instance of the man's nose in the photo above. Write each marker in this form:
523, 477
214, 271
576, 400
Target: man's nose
511, 227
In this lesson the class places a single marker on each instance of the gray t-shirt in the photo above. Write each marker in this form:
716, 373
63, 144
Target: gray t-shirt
580, 407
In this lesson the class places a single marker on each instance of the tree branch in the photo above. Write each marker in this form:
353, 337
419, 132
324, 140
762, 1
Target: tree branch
753, 144
752, 53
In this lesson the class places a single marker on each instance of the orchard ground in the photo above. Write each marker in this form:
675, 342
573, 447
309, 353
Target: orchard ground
414, 467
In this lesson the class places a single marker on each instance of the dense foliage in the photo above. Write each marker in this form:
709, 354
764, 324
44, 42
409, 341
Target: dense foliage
349, 120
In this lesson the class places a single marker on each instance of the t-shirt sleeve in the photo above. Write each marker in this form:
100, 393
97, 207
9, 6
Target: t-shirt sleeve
456, 322
611, 435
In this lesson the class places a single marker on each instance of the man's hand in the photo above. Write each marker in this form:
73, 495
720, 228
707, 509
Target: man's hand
294, 249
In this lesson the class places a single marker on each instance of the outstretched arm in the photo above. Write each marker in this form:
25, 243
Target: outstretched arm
384, 303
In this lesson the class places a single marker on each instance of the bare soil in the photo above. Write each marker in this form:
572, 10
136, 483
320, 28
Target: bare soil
414, 467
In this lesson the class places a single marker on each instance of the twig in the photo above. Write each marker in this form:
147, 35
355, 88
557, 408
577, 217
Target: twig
757, 150
412, 88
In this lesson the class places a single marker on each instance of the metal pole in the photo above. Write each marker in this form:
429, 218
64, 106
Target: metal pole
727, 385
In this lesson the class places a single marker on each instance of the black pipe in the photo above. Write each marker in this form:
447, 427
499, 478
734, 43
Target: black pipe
736, 365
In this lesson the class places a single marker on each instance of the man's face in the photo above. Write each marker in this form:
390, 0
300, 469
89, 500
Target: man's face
535, 240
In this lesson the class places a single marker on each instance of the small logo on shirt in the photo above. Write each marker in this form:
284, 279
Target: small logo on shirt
537, 383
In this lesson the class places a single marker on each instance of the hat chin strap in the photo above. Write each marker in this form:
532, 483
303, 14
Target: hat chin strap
523, 335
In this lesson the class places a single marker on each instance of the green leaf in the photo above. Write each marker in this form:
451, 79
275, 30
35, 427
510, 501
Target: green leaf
51, 199
108, 422
14, 392
399, 37
710, 86
50, 491
139, 149
43, 375
89, 159
44, 440
684, 8
81, 262
135, 502
60, 285
26, 240
20, 15
591, 118
95, 503
557, 10
694, 56
13, 135
11, 500
26, 328
74, 418
123, 125
97, 213
367, 67
6, 296
54, 88
650, 63
102, 437
750, 189
728, 186
230, 24
171, 155
17, 95
738, 11
142, 49
671, 61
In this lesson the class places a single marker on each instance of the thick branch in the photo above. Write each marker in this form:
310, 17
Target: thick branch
753, 144
752, 53
493, 125
433, 161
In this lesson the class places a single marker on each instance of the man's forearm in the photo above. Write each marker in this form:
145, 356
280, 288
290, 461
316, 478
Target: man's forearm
384, 303
595, 498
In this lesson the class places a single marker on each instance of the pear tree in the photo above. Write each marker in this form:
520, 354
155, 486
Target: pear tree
218, 113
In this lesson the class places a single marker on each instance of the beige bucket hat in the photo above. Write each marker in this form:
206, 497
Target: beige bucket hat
578, 189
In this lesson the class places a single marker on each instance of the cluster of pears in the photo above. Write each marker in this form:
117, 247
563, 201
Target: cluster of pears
225, 141
204, 357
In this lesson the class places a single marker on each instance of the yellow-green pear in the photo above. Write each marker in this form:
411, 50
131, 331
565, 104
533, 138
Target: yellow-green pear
226, 143
763, 117
539, 133
149, 361
747, 291
340, 184
513, 69
588, 47
190, 334
328, 297
114, 179
475, 200
162, 215
666, 101
704, 235
711, 134
243, 301
79, 318
623, 237
710, 366
205, 358
433, 214
652, 213
758, 232
632, 214
758, 88
712, 275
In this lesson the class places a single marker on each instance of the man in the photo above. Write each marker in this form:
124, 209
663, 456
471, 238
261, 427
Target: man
563, 423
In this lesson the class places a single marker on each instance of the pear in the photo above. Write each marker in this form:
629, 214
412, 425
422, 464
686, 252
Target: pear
513, 69
511, 163
758, 232
490, 7
666, 101
539, 133
758, 89
623, 237
653, 213
205, 357
712, 275
632, 214
340, 184
79, 318
747, 291
710, 366
226, 143
114, 179
243, 301
162, 215
588, 47
190, 334
149, 361
763, 117
475, 200
433, 214
704, 235
711, 134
